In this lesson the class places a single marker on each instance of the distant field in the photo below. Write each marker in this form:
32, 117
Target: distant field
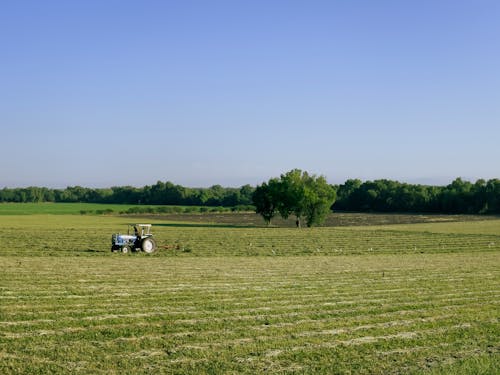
94, 208
57, 208
374, 299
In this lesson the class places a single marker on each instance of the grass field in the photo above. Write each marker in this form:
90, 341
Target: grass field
374, 299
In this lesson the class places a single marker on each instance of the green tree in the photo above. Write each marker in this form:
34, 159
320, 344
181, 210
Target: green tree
306, 196
345, 193
318, 199
296, 193
292, 194
246, 192
265, 200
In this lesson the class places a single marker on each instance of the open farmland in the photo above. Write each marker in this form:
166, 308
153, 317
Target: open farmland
409, 298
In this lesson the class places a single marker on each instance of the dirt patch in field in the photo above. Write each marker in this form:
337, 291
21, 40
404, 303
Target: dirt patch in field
336, 219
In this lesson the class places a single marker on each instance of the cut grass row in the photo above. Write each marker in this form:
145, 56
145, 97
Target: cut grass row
409, 313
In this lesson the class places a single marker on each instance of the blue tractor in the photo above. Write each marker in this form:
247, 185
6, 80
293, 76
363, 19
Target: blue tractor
141, 240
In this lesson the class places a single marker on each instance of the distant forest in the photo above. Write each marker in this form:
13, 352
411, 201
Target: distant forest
459, 197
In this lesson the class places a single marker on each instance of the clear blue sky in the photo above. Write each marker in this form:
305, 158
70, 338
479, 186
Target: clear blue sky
102, 93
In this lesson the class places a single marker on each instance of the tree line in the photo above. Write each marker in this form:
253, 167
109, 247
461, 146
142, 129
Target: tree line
459, 197
161, 193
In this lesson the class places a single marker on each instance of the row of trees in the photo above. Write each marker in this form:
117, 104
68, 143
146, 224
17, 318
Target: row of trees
295, 193
459, 197
162, 193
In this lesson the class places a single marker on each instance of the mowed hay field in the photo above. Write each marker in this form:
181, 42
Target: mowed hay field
408, 298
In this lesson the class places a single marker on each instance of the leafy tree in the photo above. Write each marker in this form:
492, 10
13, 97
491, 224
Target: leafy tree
292, 194
126, 194
231, 198
246, 192
344, 194
298, 193
318, 199
265, 200
216, 195
492, 189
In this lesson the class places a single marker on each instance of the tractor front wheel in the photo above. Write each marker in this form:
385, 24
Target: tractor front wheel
148, 245
125, 249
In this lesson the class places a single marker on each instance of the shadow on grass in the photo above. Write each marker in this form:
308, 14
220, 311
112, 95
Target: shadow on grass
204, 225
93, 251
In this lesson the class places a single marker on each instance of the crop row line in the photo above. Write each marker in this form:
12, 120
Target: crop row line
319, 299
296, 316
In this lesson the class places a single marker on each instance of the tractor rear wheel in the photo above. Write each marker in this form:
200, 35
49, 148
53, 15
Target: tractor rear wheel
148, 245
125, 249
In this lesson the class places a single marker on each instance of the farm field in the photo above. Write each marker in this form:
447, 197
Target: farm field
375, 299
